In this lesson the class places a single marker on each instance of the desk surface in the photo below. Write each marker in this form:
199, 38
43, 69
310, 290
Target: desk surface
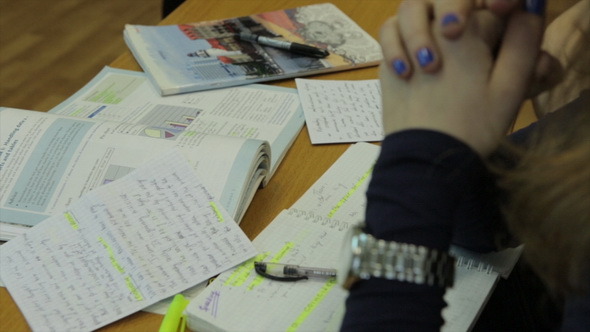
302, 165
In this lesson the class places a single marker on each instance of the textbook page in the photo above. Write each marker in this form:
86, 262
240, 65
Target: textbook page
47, 161
261, 112
122, 247
241, 300
341, 111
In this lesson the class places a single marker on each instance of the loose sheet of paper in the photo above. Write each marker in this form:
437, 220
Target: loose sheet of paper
341, 111
123, 246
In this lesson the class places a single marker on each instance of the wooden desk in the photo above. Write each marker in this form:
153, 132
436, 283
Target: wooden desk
303, 164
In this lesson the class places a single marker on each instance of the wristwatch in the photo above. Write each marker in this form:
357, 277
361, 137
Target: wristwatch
364, 257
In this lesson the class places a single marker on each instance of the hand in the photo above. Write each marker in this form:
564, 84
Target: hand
476, 94
567, 40
453, 19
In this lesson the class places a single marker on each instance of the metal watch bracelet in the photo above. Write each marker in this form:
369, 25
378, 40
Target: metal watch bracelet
403, 262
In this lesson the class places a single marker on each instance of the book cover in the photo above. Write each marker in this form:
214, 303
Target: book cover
207, 55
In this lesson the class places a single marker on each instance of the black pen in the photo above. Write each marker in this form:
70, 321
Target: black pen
284, 45
290, 272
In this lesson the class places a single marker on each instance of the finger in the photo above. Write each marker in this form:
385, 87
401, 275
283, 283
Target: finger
502, 7
548, 73
452, 16
394, 54
415, 32
488, 27
517, 56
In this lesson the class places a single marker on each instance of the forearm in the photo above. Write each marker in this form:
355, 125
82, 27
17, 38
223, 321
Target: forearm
420, 184
425, 185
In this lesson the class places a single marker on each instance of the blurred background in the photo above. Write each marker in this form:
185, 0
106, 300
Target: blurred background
50, 49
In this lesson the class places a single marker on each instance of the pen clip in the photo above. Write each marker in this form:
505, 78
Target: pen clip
260, 268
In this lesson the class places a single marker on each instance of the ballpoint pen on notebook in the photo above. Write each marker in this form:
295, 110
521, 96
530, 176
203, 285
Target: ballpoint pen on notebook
175, 320
287, 272
284, 45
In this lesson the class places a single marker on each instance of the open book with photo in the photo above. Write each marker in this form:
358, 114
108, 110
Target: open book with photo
234, 138
208, 55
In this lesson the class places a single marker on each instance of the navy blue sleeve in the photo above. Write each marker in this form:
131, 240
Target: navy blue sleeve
420, 188
576, 316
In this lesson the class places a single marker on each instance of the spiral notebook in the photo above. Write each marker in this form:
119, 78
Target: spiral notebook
476, 277
310, 233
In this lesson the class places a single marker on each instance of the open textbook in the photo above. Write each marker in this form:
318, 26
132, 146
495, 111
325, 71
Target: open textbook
310, 233
207, 55
122, 247
234, 138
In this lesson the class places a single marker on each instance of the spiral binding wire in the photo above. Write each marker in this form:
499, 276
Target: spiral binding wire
472, 264
325, 221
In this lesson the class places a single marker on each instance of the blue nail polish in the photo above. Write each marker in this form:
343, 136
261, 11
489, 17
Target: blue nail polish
450, 19
535, 7
399, 66
424, 56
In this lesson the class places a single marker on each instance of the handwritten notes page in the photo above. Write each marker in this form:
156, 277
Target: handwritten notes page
341, 111
340, 191
122, 247
241, 300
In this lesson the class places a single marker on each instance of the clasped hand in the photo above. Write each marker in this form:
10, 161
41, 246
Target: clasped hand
464, 77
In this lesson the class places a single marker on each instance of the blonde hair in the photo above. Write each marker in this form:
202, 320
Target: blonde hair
548, 202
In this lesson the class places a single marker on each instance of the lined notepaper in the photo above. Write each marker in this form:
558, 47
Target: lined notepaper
122, 247
341, 191
341, 111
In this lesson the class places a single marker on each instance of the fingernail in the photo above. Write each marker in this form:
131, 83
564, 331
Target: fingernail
399, 66
450, 19
535, 6
424, 56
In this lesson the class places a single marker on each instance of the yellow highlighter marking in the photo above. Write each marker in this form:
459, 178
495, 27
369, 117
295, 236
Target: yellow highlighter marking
71, 220
131, 285
320, 296
241, 274
218, 213
128, 281
112, 257
352, 190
